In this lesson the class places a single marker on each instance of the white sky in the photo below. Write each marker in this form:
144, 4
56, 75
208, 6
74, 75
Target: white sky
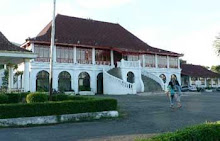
187, 27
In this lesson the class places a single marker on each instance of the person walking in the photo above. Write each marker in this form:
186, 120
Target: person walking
179, 92
171, 93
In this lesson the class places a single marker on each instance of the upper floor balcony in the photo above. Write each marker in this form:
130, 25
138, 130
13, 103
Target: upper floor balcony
94, 56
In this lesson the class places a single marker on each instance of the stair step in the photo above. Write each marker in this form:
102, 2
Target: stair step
116, 72
150, 85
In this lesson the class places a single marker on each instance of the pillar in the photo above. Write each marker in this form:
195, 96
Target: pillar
205, 82
74, 55
26, 75
178, 63
10, 78
168, 62
156, 61
93, 56
143, 60
112, 58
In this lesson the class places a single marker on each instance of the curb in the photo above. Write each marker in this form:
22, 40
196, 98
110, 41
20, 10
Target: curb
56, 118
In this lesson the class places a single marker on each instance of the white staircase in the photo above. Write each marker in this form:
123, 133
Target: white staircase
115, 86
155, 78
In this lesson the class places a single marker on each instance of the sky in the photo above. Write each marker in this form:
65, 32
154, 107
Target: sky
183, 26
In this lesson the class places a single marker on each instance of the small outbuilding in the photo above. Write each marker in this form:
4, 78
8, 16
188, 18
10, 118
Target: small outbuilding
199, 76
11, 55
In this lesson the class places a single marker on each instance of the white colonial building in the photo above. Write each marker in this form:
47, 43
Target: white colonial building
97, 57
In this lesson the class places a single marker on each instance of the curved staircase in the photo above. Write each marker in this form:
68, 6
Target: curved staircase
151, 85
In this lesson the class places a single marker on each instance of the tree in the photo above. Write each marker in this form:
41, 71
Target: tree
215, 69
217, 44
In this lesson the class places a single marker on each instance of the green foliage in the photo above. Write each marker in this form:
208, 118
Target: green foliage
16, 97
36, 97
60, 97
3, 98
204, 132
57, 108
215, 69
84, 88
217, 44
5, 79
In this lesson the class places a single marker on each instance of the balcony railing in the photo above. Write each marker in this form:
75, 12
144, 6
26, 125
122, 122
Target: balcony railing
129, 64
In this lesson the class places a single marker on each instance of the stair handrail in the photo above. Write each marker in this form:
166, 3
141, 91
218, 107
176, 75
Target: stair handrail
123, 83
155, 78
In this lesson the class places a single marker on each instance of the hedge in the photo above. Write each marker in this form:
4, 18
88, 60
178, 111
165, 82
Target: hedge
203, 132
3, 98
16, 97
36, 97
56, 108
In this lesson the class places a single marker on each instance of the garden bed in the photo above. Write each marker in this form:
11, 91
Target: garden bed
15, 105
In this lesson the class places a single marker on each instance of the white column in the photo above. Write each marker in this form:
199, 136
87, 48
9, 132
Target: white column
93, 56
178, 63
190, 82
10, 78
75, 82
143, 60
156, 61
32, 47
74, 55
55, 54
168, 62
26, 75
112, 58
205, 82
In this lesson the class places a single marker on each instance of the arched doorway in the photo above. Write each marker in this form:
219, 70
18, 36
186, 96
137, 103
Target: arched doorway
64, 81
100, 83
42, 81
163, 77
84, 82
130, 77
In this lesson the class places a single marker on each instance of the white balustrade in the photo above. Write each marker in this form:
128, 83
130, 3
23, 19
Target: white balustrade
129, 64
114, 85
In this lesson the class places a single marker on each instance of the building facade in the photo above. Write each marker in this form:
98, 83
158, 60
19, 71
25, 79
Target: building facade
93, 57
199, 76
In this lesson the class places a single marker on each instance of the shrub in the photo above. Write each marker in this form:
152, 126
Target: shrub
60, 97
204, 132
3, 98
36, 97
16, 97
56, 108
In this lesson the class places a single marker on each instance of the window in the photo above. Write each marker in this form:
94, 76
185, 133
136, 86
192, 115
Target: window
173, 62
64, 54
133, 57
162, 61
43, 53
149, 60
84, 56
102, 57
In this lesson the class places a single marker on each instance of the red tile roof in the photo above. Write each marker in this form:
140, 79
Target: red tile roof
77, 31
197, 71
5, 45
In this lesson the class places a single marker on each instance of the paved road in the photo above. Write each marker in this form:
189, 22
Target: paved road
144, 115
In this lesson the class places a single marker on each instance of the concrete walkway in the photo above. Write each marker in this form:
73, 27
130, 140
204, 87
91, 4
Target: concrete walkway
143, 115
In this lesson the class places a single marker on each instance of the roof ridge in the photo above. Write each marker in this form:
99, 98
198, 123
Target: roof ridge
87, 19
